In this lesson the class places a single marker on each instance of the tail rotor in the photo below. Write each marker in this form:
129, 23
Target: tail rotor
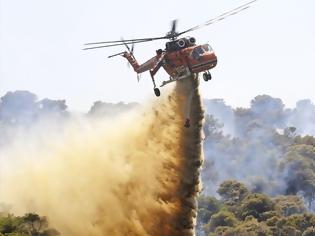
131, 50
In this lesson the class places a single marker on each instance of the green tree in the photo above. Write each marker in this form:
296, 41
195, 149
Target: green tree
300, 163
35, 225
289, 205
249, 227
222, 218
299, 222
256, 205
207, 206
9, 224
29, 225
232, 191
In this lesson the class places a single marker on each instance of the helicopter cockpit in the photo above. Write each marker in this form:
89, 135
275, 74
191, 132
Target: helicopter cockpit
198, 51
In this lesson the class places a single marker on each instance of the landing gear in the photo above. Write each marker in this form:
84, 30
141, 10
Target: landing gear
207, 76
157, 92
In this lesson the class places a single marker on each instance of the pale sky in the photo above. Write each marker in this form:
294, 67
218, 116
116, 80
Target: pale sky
267, 49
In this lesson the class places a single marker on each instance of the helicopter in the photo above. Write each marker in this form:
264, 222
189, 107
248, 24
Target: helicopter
182, 58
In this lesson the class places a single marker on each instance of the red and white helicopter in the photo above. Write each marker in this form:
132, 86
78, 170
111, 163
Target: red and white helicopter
182, 57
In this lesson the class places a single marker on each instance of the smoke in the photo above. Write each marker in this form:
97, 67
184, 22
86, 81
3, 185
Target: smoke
302, 117
22, 108
253, 151
224, 113
135, 175
109, 109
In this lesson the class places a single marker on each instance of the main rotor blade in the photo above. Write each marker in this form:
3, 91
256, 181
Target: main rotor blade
116, 44
126, 40
220, 17
174, 26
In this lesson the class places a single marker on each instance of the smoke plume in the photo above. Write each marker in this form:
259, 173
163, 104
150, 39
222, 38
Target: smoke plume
135, 175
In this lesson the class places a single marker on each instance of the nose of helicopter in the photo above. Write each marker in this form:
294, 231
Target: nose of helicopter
211, 59
206, 62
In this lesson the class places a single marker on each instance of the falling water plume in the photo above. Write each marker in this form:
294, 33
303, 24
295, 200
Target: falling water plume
135, 175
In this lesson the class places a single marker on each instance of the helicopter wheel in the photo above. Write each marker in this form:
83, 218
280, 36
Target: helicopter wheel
157, 92
207, 76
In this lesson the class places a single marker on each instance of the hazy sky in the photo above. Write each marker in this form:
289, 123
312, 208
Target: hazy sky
267, 49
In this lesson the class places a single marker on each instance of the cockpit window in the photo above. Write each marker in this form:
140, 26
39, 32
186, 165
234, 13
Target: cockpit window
197, 52
207, 48
200, 50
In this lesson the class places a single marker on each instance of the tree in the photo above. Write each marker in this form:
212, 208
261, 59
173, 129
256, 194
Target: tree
33, 223
18, 107
249, 227
252, 227
243, 117
212, 127
222, 218
22, 107
290, 132
232, 191
104, 109
9, 224
52, 108
255, 214
307, 140
299, 222
256, 205
29, 225
289, 205
223, 113
207, 206
268, 110
300, 163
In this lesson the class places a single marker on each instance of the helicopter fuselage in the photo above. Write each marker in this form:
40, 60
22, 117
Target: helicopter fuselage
181, 58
